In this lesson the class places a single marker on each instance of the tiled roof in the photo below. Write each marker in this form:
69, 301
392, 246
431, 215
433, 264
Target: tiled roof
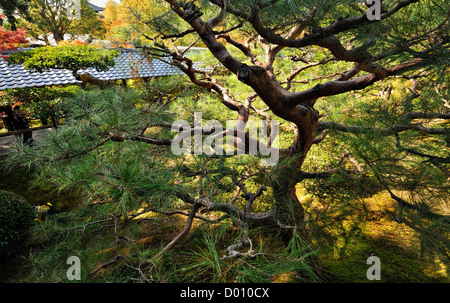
96, 8
129, 64
15, 76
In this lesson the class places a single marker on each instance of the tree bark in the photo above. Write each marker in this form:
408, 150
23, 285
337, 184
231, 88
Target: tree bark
88, 78
296, 107
289, 212
58, 36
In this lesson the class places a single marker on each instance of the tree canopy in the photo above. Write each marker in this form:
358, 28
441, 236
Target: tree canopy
51, 17
72, 57
407, 42
362, 106
10, 7
11, 39
127, 21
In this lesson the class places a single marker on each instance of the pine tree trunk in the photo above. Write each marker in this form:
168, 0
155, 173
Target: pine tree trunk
58, 36
289, 212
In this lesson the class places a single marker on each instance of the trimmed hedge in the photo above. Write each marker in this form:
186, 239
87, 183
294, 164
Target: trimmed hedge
16, 218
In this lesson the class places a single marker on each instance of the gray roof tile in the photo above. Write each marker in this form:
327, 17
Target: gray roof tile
129, 64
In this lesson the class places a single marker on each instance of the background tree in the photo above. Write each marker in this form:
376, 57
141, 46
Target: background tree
51, 17
42, 103
10, 8
119, 28
132, 21
11, 39
111, 18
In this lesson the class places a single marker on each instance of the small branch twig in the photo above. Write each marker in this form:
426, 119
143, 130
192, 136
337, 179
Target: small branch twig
182, 234
104, 265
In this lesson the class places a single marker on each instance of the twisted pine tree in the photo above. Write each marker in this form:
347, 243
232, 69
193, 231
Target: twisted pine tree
362, 102
401, 144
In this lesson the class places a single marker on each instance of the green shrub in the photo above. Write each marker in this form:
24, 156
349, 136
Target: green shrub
16, 218
71, 57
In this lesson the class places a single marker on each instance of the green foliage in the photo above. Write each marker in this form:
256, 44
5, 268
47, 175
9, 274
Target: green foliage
9, 8
72, 57
262, 265
41, 102
16, 218
124, 173
51, 17
121, 176
56, 239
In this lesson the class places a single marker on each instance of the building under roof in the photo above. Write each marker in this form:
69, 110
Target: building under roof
96, 8
130, 63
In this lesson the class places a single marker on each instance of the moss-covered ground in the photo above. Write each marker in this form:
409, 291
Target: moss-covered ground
118, 253
113, 252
